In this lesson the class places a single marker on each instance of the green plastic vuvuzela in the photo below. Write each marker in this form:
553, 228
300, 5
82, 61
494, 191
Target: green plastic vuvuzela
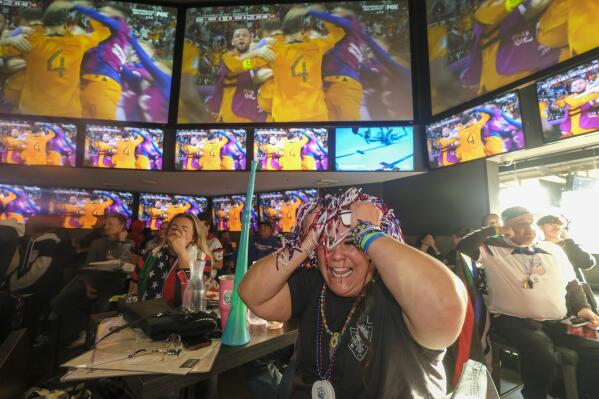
236, 331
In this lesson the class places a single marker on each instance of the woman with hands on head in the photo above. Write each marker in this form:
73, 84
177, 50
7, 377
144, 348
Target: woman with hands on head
375, 315
158, 274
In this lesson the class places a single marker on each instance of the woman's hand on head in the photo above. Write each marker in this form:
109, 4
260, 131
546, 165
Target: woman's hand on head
365, 212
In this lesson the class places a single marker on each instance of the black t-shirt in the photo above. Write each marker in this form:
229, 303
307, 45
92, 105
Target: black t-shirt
378, 358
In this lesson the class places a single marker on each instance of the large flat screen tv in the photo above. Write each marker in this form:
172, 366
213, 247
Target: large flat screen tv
569, 102
155, 209
37, 143
20, 202
291, 149
211, 149
82, 209
388, 148
103, 60
338, 61
123, 147
494, 127
477, 46
227, 212
280, 208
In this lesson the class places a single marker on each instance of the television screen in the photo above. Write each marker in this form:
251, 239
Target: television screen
155, 209
477, 46
569, 102
374, 148
279, 208
291, 149
492, 128
37, 143
81, 209
227, 212
340, 61
123, 147
211, 149
20, 202
114, 63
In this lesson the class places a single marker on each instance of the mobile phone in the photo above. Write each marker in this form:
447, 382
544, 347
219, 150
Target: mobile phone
579, 321
195, 342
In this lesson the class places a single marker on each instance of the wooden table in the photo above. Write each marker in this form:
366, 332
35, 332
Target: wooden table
262, 342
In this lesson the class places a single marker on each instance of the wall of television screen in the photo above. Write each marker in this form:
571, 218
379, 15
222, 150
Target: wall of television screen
74, 208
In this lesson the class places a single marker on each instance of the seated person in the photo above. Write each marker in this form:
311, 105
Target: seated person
265, 243
375, 315
86, 292
216, 248
158, 239
529, 284
157, 274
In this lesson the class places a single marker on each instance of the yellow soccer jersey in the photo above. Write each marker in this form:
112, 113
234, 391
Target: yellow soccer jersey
292, 150
445, 143
35, 149
575, 102
190, 153
235, 217
12, 145
156, 214
437, 42
172, 210
470, 139
211, 158
125, 153
51, 85
288, 215
104, 150
582, 31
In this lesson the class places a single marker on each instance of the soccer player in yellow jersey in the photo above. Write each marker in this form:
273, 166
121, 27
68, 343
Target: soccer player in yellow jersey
583, 93
447, 142
191, 104
470, 138
288, 214
92, 209
13, 145
291, 158
157, 214
72, 211
6, 197
35, 148
210, 159
105, 151
173, 210
29, 18
234, 214
491, 13
192, 152
52, 76
298, 93
124, 157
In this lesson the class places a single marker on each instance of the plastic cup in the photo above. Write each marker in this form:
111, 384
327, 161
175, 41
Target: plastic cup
227, 282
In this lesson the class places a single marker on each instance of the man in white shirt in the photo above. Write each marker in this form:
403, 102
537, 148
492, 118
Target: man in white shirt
214, 245
529, 283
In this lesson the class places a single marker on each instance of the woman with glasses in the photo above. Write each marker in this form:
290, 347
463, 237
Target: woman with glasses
160, 273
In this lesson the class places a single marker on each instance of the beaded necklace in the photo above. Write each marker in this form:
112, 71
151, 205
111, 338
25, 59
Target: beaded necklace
336, 337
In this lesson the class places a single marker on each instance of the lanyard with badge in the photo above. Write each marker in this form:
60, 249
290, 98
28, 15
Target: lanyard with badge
534, 269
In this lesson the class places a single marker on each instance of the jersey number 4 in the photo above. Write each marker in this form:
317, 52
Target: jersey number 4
51, 65
304, 72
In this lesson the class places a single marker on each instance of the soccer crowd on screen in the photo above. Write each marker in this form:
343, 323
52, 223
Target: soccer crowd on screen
74, 60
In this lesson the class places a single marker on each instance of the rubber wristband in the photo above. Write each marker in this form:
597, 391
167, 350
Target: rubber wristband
371, 240
367, 237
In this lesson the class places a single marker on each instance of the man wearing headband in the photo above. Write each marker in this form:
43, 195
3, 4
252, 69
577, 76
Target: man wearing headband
553, 231
531, 285
375, 315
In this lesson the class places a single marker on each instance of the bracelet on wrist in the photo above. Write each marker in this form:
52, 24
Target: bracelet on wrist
370, 239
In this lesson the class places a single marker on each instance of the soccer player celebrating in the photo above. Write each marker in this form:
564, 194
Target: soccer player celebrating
36, 143
581, 108
447, 144
192, 152
105, 149
101, 72
51, 85
234, 98
60, 147
470, 137
13, 145
292, 151
125, 150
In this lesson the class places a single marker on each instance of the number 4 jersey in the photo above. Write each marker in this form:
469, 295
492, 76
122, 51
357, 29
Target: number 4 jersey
53, 71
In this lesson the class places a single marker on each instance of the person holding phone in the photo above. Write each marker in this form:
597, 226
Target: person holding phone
553, 230
375, 314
